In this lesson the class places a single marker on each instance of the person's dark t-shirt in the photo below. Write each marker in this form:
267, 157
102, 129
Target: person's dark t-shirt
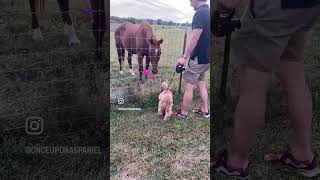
201, 20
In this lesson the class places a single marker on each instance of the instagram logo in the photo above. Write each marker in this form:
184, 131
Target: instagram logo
34, 125
120, 101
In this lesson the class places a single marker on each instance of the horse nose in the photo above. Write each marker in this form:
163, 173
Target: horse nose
155, 71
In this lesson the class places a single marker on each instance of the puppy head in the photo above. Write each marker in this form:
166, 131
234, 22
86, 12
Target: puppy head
164, 85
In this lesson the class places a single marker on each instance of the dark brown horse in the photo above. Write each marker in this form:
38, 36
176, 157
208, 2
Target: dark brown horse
99, 21
139, 40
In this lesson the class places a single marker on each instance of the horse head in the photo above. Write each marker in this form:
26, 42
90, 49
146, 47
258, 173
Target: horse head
154, 52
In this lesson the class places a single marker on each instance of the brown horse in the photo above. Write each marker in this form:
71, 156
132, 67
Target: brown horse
139, 40
98, 27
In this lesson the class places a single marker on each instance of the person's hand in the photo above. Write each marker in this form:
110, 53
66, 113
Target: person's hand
181, 61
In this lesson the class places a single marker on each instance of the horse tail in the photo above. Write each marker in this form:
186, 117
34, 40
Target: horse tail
41, 8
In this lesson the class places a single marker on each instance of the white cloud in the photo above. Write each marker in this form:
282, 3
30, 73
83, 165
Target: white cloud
169, 10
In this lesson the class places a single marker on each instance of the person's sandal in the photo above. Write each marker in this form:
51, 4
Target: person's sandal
288, 163
179, 115
220, 167
200, 113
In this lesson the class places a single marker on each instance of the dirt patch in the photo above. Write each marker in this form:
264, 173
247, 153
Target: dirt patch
135, 168
192, 161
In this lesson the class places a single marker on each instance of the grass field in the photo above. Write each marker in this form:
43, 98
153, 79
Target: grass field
144, 146
273, 136
62, 85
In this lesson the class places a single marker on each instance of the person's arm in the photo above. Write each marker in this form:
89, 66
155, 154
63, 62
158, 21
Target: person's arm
196, 33
198, 24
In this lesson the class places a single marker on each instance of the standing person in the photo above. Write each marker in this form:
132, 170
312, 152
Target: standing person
271, 40
198, 53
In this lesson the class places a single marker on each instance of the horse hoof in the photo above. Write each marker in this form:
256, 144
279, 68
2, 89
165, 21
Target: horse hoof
121, 72
74, 41
37, 35
68, 29
132, 72
71, 33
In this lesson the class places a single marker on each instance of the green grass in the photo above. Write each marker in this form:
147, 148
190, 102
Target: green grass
144, 146
274, 135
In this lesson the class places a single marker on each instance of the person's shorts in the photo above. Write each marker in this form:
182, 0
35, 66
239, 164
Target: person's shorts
270, 34
195, 72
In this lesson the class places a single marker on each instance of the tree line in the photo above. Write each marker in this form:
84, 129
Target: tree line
115, 19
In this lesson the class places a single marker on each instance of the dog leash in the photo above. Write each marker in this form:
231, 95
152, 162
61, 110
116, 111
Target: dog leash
174, 73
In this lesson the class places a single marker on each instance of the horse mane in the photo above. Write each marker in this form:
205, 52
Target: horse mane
146, 28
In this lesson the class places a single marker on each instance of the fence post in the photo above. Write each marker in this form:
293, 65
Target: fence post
183, 51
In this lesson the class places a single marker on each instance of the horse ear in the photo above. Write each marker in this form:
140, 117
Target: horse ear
160, 41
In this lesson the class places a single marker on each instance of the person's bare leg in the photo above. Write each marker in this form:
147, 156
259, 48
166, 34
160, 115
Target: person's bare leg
187, 98
300, 109
203, 95
249, 115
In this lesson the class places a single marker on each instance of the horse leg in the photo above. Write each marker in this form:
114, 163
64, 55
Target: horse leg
121, 54
140, 61
64, 8
68, 26
147, 62
130, 62
99, 24
147, 65
36, 32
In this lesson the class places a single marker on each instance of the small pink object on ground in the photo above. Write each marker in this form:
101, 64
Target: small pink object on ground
154, 77
146, 72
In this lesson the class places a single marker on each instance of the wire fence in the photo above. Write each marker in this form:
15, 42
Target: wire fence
127, 86
49, 79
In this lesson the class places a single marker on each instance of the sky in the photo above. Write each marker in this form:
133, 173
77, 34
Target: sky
178, 11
